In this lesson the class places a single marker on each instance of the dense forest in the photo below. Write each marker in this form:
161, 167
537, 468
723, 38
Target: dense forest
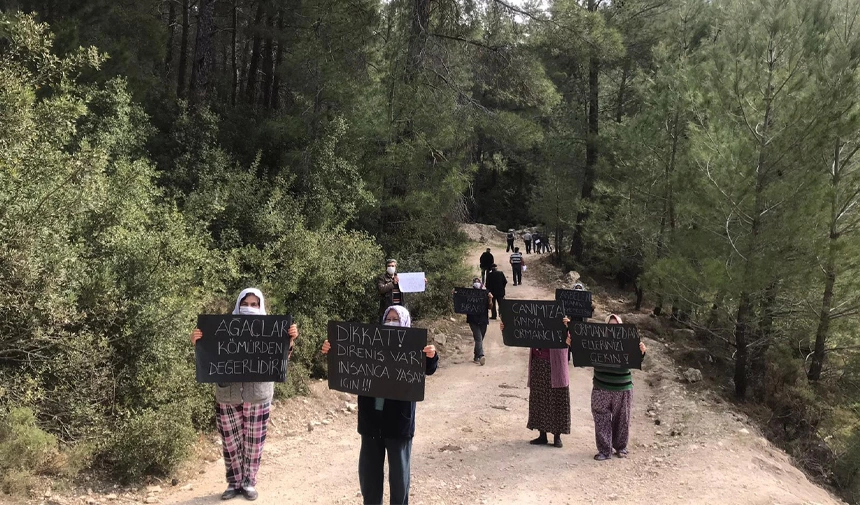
156, 156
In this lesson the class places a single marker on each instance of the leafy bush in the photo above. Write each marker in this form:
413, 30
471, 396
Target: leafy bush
153, 442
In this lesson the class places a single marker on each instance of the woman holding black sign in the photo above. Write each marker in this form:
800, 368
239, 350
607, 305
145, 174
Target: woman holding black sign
611, 401
242, 412
549, 394
387, 426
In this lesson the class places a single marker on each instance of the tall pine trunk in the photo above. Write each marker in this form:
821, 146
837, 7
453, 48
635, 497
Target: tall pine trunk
254, 67
171, 34
234, 69
203, 51
823, 330
591, 151
182, 70
279, 58
744, 320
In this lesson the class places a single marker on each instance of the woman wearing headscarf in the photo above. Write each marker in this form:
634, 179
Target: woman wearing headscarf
387, 426
549, 394
611, 400
242, 412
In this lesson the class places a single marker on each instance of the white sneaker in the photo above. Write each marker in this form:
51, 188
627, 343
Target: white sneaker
482, 360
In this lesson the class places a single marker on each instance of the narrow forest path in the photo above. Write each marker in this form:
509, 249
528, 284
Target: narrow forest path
471, 445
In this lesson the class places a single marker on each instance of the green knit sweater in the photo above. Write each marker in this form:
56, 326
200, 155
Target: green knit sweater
613, 379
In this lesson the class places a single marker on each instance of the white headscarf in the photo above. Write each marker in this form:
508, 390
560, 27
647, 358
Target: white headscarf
405, 318
616, 316
251, 291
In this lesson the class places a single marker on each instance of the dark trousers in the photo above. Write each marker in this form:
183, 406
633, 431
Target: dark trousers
478, 332
518, 274
528, 246
484, 274
510, 246
496, 299
371, 460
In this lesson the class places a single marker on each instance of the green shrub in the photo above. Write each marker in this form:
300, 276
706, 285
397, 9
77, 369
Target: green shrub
152, 442
23, 445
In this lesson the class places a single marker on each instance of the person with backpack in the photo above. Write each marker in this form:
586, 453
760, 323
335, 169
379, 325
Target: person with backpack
510, 239
517, 265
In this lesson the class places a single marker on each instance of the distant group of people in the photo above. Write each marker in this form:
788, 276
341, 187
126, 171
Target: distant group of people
534, 241
387, 427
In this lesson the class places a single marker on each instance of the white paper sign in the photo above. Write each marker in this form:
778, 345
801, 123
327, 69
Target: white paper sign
411, 282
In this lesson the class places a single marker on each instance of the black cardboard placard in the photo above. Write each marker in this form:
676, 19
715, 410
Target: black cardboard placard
533, 323
577, 303
605, 345
471, 301
242, 348
377, 360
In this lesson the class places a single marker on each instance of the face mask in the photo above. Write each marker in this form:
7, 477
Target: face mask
392, 323
391, 270
476, 285
250, 311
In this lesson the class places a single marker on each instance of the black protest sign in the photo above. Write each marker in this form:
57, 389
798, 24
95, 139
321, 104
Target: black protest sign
577, 303
376, 360
242, 348
471, 301
533, 323
605, 345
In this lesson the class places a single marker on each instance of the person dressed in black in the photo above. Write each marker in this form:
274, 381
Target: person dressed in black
389, 288
536, 242
486, 261
510, 239
496, 282
517, 266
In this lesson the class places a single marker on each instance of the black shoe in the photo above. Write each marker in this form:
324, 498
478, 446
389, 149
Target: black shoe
556, 441
250, 493
230, 493
494, 317
541, 440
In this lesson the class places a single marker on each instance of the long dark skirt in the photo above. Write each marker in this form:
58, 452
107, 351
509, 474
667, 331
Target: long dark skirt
549, 407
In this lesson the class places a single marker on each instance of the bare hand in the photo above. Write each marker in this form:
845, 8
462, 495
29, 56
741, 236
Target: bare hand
565, 320
430, 351
642, 347
501, 326
196, 335
396, 280
294, 332
567, 341
326, 347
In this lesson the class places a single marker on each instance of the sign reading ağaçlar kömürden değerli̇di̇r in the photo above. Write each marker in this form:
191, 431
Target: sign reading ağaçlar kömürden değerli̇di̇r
238, 348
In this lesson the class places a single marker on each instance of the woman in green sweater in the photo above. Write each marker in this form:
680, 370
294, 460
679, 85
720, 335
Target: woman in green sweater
611, 399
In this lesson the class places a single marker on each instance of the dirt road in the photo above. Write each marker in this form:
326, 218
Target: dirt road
471, 445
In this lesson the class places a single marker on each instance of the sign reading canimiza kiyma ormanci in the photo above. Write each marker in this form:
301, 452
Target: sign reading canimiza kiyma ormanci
242, 348
377, 360
605, 345
577, 303
471, 301
533, 323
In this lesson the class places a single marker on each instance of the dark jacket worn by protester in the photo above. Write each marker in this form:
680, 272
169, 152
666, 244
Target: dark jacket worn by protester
396, 419
496, 282
487, 260
389, 292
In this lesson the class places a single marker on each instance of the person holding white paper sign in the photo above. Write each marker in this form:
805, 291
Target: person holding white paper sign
387, 426
242, 412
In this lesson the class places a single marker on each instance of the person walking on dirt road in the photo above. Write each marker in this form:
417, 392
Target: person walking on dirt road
517, 264
496, 282
486, 264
